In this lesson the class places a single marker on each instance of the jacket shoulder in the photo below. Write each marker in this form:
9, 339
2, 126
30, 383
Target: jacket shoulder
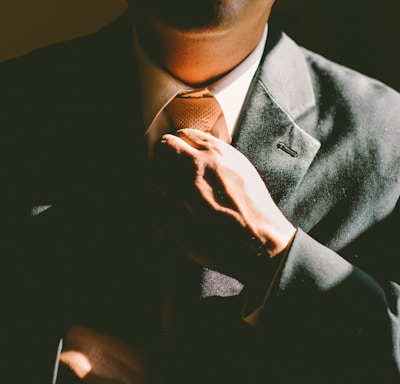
365, 100
81, 55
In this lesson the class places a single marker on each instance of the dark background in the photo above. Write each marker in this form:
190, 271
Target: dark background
362, 34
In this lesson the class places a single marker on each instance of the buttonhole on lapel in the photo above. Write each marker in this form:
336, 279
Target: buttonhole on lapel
286, 149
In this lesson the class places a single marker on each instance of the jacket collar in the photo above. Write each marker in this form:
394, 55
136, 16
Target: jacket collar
285, 75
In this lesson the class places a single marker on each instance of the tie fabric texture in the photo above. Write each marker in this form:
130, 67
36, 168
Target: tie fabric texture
199, 111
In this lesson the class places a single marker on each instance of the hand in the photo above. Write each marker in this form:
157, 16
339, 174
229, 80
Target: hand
215, 201
97, 358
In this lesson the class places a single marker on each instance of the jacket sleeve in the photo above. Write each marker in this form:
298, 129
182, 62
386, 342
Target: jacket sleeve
329, 310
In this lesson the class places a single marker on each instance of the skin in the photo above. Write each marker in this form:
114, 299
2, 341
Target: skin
207, 39
215, 45
98, 359
225, 193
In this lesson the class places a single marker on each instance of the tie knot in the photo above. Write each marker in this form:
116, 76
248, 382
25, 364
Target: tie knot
198, 112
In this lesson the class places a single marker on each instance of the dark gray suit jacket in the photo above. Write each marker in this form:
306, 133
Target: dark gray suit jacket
77, 244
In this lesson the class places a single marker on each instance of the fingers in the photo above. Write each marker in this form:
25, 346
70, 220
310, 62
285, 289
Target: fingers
99, 358
188, 141
203, 153
197, 137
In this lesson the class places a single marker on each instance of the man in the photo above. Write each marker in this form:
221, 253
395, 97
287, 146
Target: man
265, 254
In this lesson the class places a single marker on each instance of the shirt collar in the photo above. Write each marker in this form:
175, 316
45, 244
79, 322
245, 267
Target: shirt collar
158, 87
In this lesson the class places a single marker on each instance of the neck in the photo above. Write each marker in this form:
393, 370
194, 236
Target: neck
199, 57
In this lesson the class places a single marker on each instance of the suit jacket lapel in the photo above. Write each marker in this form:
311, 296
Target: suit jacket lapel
269, 135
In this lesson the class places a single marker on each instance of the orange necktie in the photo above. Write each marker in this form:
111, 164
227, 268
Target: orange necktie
198, 111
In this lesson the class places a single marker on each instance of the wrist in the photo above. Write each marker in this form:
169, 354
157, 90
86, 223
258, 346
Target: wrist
272, 243
261, 258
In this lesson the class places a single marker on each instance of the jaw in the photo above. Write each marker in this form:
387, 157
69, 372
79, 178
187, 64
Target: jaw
198, 56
